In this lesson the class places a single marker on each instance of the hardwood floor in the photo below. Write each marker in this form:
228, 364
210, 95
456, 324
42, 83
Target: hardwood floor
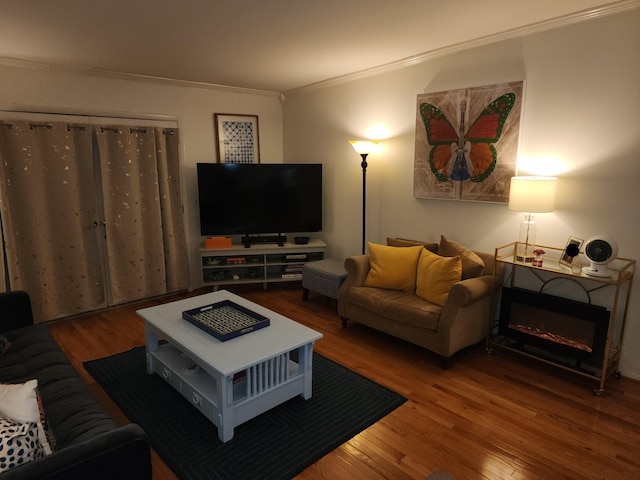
493, 417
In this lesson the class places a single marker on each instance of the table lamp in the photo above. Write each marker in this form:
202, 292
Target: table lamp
531, 195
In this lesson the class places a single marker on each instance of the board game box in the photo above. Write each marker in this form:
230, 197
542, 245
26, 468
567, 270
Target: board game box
225, 320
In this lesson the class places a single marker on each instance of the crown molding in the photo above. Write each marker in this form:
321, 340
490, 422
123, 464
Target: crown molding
526, 30
611, 9
96, 72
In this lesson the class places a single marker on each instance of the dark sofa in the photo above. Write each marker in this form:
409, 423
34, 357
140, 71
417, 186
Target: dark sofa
88, 442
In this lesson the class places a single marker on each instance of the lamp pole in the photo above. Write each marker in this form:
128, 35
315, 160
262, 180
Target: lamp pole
364, 149
364, 196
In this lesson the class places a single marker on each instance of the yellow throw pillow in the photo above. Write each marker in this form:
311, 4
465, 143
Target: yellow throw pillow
436, 275
393, 268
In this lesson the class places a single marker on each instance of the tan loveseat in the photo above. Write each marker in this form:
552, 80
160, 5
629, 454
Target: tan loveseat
462, 320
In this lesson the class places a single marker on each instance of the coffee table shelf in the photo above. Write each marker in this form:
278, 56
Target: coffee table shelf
229, 382
195, 385
200, 388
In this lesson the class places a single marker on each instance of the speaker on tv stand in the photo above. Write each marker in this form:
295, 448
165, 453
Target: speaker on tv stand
247, 240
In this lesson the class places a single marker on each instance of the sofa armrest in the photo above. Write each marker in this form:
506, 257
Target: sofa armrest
15, 310
357, 268
469, 290
465, 318
121, 454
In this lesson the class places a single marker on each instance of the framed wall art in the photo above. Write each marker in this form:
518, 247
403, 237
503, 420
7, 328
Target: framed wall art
571, 251
238, 139
467, 143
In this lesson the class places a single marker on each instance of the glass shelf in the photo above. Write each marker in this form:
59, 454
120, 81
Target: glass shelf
622, 268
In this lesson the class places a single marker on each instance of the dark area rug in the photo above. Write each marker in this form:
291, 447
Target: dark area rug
278, 444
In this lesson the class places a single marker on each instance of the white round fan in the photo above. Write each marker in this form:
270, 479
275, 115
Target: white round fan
600, 250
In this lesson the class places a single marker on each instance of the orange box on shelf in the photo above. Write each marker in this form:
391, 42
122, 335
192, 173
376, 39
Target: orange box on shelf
217, 242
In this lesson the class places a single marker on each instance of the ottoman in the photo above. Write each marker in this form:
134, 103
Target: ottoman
324, 277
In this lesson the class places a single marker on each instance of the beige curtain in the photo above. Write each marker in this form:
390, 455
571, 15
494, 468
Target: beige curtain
78, 236
140, 181
4, 282
50, 216
173, 231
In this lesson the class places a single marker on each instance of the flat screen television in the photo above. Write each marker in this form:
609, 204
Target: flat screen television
252, 199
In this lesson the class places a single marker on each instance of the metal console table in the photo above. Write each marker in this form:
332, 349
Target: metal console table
567, 281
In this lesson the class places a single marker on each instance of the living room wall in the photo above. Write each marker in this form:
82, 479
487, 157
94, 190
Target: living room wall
41, 88
581, 114
581, 109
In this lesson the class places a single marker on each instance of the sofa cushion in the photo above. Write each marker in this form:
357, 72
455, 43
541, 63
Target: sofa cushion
406, 242
400, 306
20, 403
393, 268
18, 443
436, 275
472, 264
73, 413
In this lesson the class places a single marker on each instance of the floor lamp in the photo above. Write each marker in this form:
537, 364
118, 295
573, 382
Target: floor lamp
364, 149
531, 195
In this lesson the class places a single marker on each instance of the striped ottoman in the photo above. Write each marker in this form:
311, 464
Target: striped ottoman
324, 276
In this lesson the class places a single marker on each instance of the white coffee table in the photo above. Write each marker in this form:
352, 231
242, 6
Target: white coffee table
235, 380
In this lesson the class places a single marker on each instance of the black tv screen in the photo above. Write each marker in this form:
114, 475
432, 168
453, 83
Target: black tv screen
259, 198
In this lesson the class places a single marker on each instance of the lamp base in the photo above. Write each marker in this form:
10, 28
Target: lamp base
524, 257
526, 240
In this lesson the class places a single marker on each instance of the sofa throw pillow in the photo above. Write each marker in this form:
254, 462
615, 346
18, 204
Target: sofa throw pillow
436, 275
49, 444
472, 264
393, 268
18, 443
406, 242
19, 402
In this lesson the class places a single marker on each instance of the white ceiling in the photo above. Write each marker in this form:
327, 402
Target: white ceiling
273, 45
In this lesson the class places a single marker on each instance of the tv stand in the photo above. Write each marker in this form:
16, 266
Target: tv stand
280, 239
261, 264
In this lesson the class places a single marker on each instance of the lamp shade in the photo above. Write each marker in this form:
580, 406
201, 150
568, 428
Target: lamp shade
533, 194
365, 147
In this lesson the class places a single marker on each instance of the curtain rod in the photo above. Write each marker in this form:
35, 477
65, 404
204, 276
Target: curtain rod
48, 126
165, 131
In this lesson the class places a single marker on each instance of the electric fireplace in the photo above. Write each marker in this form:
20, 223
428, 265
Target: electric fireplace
573, 330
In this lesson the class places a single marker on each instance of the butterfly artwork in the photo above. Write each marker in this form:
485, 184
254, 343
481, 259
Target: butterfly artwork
467, 163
